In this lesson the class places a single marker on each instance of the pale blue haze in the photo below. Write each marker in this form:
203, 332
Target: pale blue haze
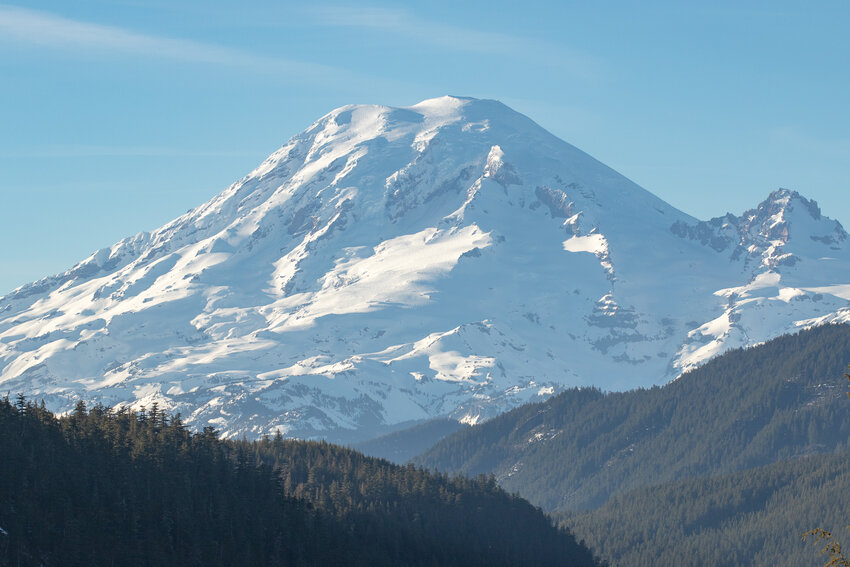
117, 116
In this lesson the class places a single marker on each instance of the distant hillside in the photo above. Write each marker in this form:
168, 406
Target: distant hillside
103, 488
402, 446
744, 409
749, 518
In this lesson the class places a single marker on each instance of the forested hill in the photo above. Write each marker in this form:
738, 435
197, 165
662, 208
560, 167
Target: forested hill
744, 409
120, 488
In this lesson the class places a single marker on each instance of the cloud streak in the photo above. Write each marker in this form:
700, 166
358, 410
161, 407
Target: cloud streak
78, 151
25, 27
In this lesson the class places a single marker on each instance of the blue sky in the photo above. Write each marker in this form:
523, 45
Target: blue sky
117, 116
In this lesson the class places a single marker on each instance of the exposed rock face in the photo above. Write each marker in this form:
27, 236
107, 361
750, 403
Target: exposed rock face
763, 233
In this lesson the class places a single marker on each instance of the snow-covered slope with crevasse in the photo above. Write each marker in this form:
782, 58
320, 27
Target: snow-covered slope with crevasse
390, 265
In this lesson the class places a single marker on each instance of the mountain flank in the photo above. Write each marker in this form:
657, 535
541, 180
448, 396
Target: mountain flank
747, 408
754, 517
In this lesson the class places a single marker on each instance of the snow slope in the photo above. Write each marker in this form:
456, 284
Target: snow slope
391, 265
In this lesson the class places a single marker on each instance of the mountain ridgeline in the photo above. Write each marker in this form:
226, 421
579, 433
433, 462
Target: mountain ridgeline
745, 409
104, 488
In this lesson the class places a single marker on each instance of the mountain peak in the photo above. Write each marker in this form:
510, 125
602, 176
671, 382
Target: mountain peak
784, 212
781, 200
764, 232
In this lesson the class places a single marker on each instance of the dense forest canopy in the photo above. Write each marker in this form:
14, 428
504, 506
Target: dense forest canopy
103, 487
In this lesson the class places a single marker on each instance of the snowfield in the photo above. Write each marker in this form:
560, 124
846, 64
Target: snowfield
392, 265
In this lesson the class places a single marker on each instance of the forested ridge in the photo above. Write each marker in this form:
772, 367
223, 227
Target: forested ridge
754, 517
103, 487
747, 408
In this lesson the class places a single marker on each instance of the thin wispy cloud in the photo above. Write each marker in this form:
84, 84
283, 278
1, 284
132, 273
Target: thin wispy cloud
122, 152
25, 27
456, 38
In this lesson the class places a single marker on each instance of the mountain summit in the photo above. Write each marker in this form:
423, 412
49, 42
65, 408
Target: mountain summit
391, 265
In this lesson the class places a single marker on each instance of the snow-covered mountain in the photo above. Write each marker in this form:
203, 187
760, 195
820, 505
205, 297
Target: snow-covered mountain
391, 265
